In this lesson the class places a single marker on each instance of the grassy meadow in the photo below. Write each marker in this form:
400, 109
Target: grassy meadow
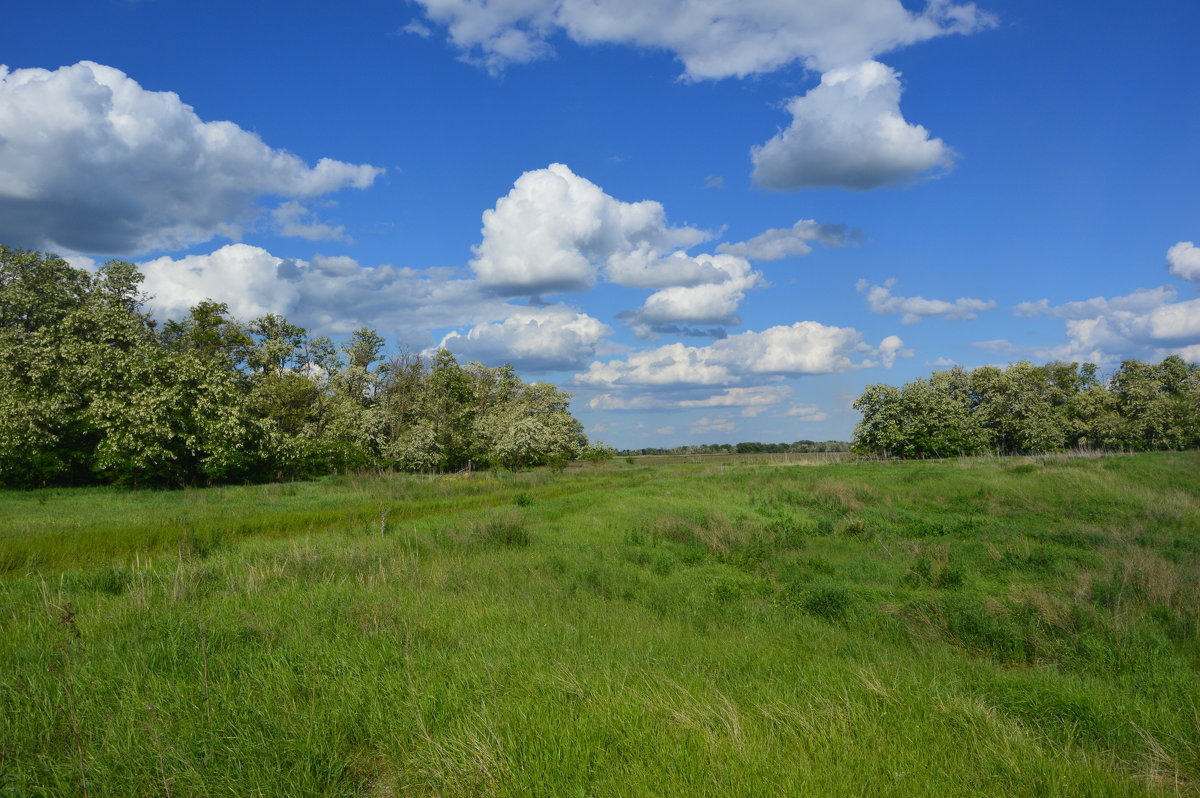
1014, 626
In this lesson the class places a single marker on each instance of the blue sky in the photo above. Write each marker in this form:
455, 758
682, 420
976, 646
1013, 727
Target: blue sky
710, 221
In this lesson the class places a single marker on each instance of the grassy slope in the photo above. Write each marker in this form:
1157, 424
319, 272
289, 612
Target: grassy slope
1011, 627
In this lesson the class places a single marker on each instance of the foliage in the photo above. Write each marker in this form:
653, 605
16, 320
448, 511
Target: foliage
1027, 409
598, 453
92, 390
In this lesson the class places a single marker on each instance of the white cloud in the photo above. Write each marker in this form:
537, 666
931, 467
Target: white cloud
608, 401
92, 162
554, 231
891, 348
667, 430
644, 267
708, 303
1183, 260
880, 299
1140, 301
295, 220
785, 242
538, 339
717, 424
805, 347
326, 294
415, 28
849, 132
756, 399
758, 396
1145, 324
807, 413
713, 38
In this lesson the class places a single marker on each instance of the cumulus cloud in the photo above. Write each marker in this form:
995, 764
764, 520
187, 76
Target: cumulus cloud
1183, 260
553, 338
555, 231
912, 309
1145, 324
712, 38
92, 162
708, 303
805, 347
848, 132
327, 294
785, 242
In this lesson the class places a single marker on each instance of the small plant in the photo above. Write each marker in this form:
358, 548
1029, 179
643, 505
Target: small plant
830, 603
523, 500
69, 645
598, 453
503, 531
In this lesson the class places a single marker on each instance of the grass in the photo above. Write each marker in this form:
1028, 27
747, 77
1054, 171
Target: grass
975, 627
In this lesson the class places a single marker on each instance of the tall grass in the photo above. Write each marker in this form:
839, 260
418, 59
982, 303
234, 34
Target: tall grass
1002, 627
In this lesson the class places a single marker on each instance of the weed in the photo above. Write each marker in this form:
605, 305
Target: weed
502, 530
830, 602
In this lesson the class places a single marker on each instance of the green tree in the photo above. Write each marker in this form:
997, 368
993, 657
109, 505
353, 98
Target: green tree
881, 430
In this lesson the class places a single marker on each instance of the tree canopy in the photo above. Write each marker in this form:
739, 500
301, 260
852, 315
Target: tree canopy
1025, 409
93, 390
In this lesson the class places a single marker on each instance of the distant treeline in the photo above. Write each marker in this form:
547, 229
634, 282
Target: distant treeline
92, 390
1025, 409
747, 447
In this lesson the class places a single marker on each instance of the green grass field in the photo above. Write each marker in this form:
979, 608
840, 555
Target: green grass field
976, 627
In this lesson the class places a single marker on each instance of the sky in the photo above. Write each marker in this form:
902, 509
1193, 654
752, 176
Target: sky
708, 220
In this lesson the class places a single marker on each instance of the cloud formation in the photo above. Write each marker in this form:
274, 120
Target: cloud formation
761, 396
294, 220
702, 426
333, 295
535, 339
555, 231
92, 162
848, 132
786, 242
1140, 301
712, 38
1183, 260
714, 302
803, 348
807, 413
1145, 324
912, 309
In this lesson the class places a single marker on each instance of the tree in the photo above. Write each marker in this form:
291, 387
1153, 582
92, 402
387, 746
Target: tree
92, 391
881, 430
1026, 409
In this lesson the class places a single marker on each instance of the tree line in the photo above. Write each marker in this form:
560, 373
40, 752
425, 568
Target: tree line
93, 390
1025, 409
745, 447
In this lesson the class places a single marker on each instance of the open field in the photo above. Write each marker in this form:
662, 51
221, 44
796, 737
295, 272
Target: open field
1024, 626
